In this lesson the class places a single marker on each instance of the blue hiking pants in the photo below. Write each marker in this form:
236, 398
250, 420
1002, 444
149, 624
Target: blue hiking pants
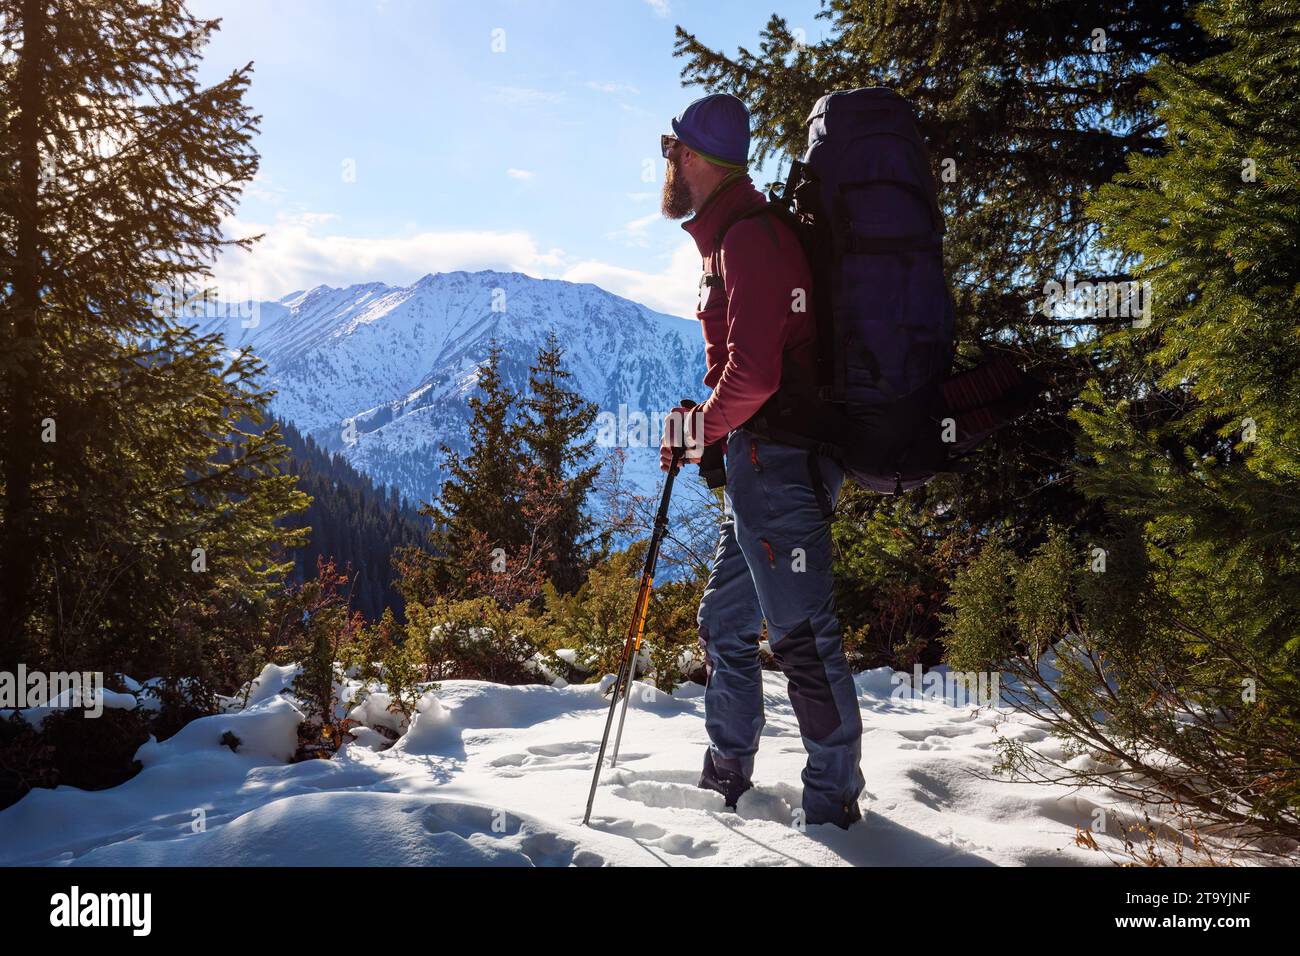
773, 563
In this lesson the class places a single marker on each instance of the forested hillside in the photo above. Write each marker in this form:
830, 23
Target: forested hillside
352, 521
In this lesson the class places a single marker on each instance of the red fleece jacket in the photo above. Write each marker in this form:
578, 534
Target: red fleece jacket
751, 318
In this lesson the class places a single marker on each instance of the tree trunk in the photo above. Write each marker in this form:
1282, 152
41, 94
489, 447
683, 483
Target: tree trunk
21, 371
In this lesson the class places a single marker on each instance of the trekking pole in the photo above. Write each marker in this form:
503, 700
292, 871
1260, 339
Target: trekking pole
632, 644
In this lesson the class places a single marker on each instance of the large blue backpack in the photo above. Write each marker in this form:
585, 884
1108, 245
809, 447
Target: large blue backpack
882, 402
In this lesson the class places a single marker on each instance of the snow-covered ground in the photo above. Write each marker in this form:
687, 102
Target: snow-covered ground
496, 775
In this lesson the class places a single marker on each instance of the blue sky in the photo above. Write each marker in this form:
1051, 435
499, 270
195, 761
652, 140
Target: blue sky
397, 141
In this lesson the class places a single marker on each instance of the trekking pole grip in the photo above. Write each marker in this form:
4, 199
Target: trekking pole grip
679, 443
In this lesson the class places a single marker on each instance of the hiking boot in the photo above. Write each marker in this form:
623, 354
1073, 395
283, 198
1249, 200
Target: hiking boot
844, 817
726, 782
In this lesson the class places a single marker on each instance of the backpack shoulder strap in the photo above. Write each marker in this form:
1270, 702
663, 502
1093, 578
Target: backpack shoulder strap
714, 276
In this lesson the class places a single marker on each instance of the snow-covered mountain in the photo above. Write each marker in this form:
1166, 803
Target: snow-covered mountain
382, 373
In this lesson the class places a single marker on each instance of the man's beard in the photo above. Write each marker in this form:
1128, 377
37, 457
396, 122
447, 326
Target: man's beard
676, 202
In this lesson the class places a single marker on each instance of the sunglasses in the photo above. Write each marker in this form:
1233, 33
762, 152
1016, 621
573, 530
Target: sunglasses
666, 143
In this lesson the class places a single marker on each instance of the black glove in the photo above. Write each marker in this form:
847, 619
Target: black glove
713, 469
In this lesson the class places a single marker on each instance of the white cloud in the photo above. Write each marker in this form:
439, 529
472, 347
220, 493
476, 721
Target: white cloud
635, 231
295, 254
613, 87
674, 290
263, 190
634, 110
660, 7
519, 173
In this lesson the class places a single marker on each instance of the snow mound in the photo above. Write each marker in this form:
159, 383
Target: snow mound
267, 729
273, 681
432, 729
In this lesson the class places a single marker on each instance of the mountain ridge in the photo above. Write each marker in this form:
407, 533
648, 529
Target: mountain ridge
380, 373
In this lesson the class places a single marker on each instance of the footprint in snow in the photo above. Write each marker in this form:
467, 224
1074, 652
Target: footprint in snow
562, 756
505, 838
647, 834
932, 732
933, 743
673, 796
934, 738
677, 790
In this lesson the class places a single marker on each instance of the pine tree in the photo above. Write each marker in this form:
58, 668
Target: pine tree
555, 430
477, 520
1190, 606
138, 523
